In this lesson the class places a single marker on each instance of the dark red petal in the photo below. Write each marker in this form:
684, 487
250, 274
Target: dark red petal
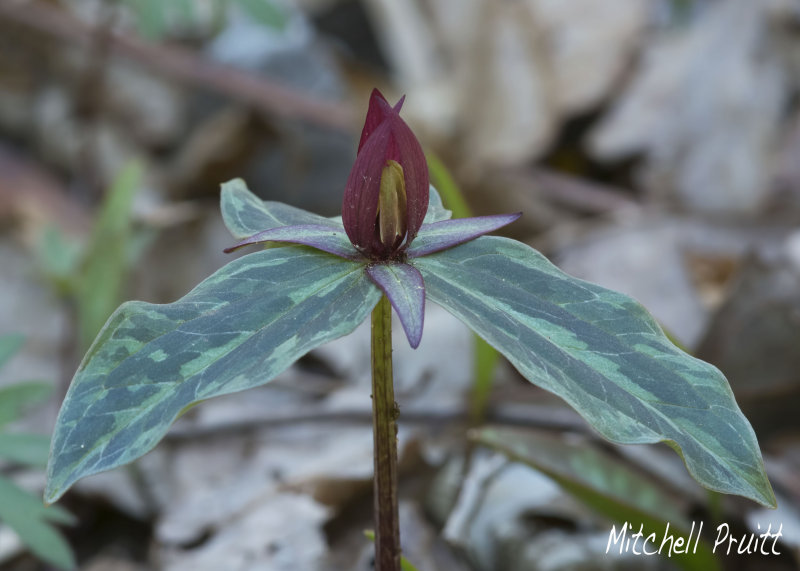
385, 137
376, 114
331, 240
408, 151
360, 204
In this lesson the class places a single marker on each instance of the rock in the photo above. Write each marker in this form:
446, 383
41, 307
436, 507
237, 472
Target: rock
209, 480
502, 76
589, 46
489, 521
511, 517
505, 124
280, 533
704, 111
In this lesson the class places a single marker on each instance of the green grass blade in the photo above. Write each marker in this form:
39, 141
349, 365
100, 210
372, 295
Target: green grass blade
27, 449
102, 281
32, 521
15, 399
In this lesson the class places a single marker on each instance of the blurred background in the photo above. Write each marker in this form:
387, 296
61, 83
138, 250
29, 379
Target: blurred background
653, 146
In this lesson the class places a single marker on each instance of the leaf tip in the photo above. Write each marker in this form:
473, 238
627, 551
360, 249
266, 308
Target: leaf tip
414, 337
768, 499
51, 495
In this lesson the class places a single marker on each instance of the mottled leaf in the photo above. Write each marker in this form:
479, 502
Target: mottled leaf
405, 289
602, 353
237, 329
32, 521
485, 357
246, 214
436, 210
603, 483
448, 233
325, 238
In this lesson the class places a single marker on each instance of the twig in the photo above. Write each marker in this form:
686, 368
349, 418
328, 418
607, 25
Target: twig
185, 66
572, 191
534, 416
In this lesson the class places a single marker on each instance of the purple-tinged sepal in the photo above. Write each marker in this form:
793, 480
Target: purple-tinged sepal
445, 234
403, 285
326, 238
386, 195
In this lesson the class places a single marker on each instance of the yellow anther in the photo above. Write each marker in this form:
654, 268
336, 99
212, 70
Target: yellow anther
392, 204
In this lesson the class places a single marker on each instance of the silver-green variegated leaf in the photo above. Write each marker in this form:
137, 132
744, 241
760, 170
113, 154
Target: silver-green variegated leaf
246, 214
604, 354
436, 210
238, 329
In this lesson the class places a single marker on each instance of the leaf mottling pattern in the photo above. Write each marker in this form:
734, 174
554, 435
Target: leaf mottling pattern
237, 329
246, 214
604, 354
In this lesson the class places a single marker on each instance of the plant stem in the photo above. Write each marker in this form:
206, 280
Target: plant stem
384, 422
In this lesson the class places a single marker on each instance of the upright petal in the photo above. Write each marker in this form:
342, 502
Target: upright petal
376, 113
415, 168
385, 137
360, 205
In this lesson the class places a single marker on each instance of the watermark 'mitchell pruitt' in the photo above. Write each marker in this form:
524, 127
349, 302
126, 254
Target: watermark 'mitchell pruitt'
677, 542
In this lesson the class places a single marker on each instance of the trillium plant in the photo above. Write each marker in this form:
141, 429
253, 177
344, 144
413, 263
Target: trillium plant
395, 246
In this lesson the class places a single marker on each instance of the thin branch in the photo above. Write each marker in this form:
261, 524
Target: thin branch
572, 191
534, 416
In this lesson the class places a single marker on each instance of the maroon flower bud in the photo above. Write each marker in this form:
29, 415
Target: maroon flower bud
386, 195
